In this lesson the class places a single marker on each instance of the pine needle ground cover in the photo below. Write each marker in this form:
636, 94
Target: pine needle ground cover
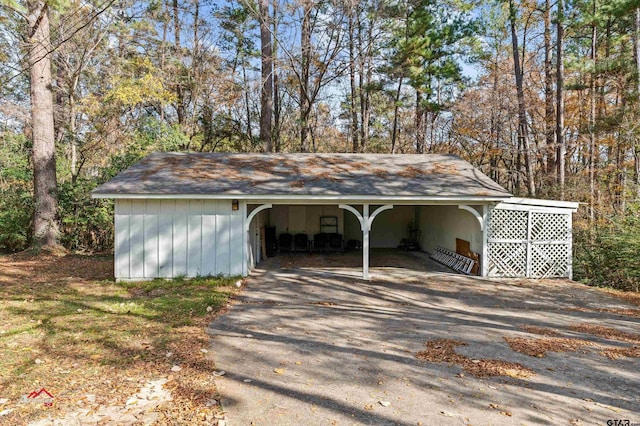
129, 352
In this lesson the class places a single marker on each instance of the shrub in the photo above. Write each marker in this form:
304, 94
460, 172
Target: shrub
16, 203
86, 223
608, 256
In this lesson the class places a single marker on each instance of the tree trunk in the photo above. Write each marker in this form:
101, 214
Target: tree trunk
247, 102
355, 132
46, 231
560, 142
592, 120
71, 97
266, 93
179, 89
420, 130
636, 55
396, 106
365, 72
305, 108
494, 131
548, 91
523, 140
196, 65
163, 51
275, 136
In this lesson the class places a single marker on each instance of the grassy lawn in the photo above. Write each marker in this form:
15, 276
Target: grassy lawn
66, 326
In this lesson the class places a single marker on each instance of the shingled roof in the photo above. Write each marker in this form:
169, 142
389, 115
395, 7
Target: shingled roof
299, 175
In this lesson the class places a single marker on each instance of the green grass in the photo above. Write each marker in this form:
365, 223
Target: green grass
176, 301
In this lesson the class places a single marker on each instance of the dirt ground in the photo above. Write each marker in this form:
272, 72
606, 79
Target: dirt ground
308, 342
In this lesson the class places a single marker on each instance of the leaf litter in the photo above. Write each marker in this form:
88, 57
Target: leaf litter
102, 344
443, 350
538, 347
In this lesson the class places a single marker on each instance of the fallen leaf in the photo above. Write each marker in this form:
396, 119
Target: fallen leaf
278, 370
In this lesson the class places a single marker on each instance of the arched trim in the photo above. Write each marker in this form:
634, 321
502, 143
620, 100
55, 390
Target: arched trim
475, 214
377, 212
253, 214
355, 212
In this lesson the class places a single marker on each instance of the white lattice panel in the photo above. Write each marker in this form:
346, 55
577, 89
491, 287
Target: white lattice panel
549, 260
507, 259
549, 226
508, 224
524, 243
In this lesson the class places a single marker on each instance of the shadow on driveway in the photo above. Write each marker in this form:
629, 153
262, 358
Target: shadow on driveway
316, 345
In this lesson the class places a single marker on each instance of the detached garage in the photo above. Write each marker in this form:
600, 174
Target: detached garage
197, 214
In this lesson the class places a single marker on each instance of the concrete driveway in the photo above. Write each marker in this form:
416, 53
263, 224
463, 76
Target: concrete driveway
314, 345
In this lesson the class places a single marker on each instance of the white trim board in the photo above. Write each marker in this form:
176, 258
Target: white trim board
311, 199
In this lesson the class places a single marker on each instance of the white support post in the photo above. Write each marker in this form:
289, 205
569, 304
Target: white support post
366, 221
365, 241
245, 242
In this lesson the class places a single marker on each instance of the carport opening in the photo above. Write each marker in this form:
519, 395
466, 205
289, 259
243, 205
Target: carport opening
327, 236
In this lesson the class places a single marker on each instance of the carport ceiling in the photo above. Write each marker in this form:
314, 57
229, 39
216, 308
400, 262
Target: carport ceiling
255, 175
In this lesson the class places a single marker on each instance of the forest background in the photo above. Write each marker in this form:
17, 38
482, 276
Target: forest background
542, 95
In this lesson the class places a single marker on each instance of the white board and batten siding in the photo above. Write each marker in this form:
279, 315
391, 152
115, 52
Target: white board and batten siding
178, 238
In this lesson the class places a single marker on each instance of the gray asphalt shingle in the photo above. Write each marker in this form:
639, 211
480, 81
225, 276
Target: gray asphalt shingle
212, 174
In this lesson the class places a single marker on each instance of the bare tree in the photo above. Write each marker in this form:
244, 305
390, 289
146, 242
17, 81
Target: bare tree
266, 87
523, 127
352, 10
560, 142
592, 117
636, 55
549, 107
305, 57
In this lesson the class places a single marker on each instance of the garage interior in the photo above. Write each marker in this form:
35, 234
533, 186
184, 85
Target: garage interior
286, 229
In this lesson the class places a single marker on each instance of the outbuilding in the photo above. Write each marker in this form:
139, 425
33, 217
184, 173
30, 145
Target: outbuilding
199, 214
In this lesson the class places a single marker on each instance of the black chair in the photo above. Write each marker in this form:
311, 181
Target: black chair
300, 242
285, 243
336, 242
320, 242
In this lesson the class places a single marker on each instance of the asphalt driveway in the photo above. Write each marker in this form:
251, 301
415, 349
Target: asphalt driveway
309, 345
